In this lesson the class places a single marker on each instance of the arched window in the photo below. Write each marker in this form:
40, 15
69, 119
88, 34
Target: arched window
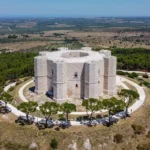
76, 85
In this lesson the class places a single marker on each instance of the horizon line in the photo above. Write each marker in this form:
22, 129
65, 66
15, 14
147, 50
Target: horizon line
94, 16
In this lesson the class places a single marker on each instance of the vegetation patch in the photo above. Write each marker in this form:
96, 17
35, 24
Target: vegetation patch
145, 75
138, 129
53, 144
130, 75
11, 88
16, 65
148, 134
132, 59
118, 138
143, 146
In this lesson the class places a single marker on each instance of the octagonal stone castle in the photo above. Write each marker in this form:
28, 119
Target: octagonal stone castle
75, 73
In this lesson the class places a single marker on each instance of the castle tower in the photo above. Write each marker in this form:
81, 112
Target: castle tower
50, 75
40, 71
91, 80
109, 73
100, 77
60, 80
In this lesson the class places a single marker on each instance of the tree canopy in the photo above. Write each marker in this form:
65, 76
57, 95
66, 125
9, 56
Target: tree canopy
132, 58
48, 109
113, 105
28, 107
6, 97
16, 65
129, 96
92, 105
67, 108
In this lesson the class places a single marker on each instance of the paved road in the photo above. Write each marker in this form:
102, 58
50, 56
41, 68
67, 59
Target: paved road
6, 88
119, 81
141, 92
21, 91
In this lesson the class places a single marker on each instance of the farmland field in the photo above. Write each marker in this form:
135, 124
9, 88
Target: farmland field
93, 32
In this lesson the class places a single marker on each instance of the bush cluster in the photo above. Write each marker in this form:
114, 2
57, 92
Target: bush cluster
11, 88
12, 36
53, 144
16, 65
138, 129
19, 82
118, 138
148, 134
130, 75
143, 146
145, 76
142, 82
132, 58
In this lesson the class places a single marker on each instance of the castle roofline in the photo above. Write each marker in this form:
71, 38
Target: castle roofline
74, 56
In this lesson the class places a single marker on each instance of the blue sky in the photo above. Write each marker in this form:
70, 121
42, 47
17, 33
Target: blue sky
74, 8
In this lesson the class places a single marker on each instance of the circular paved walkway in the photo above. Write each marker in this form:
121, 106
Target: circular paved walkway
119, 82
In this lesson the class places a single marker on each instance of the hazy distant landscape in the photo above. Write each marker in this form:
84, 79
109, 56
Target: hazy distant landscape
94, 32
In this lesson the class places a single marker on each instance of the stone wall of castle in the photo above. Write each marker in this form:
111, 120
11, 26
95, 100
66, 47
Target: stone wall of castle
110, 63
75, 79
40, 70
60, 80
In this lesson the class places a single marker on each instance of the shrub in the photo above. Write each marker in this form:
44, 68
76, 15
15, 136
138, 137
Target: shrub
118, 138
147, 84
12, 36
138, 129
131, 75
135, 74
145, 76
54, 144
140, 79
148, 134
18, 82
25, 79
25, 35
121, 73
143, 146
11, 88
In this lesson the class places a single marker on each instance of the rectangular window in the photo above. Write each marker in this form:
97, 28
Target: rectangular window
75, 74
